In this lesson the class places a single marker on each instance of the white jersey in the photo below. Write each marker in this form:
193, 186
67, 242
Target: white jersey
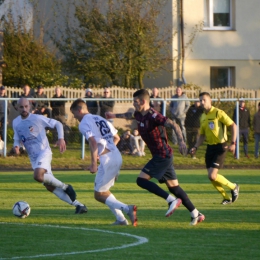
102, 130
31, 132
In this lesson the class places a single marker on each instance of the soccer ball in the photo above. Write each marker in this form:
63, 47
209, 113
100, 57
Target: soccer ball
21, 209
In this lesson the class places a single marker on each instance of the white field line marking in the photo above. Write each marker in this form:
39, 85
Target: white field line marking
140, 240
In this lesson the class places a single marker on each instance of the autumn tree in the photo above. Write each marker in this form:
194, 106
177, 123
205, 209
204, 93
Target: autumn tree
118, 41
29, 61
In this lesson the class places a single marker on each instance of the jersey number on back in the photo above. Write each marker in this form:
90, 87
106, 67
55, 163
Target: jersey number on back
103, 127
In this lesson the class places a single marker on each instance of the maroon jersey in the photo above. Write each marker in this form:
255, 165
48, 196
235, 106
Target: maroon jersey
152, 130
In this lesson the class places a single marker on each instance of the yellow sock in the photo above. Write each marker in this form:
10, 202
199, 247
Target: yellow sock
223, 181
220, 189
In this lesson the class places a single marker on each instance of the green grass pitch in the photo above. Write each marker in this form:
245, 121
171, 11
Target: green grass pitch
53, 231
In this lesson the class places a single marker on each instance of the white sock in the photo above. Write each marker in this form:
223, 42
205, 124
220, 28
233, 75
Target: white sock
76, 203
118, 214
60, 193
194, 213
112, 202
51, 180
170, 198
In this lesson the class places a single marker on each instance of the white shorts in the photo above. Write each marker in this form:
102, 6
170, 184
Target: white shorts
43, 161
108, 170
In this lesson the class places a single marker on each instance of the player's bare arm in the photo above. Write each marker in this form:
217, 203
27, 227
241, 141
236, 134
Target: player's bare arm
127, 115
94, 154
199, 142
232, 146
62, 145
173, 125
116, 139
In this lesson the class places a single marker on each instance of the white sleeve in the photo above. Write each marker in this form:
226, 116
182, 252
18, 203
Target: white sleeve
112, 128
16, 137
60, 131
52, 123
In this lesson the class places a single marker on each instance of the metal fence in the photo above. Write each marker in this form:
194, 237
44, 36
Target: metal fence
122, 105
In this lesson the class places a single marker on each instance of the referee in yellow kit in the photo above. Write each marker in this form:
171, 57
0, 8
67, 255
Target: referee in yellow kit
213, 130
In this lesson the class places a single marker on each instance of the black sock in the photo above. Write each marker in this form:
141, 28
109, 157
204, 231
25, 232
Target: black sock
181, 194
152, 187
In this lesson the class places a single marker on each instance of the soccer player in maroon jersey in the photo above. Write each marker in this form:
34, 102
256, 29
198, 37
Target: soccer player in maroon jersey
151, 126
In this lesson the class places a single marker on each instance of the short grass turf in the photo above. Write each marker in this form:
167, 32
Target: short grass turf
54, 231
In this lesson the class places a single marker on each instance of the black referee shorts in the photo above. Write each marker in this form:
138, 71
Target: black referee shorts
160, 168
215, 155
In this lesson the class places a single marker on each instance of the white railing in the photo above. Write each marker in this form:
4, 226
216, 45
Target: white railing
126, 93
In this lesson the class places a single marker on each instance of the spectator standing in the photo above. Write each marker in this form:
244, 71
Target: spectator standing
106, 105
256, 127
192, 124
157, 105
213, 130
137, 143
27, 93
102, 138
91, 104
244, 124
2, 110
58, 107
58, 113
178, 109
41, 105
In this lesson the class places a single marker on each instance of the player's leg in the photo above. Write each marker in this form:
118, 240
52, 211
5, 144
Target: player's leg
108, 170
155, 168
215, 156
42, 166
170, 178
62, 195
63, 191
212, 175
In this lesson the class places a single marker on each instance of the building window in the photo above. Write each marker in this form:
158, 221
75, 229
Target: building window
218, 15
221, 77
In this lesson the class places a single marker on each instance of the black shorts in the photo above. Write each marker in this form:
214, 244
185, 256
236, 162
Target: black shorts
215, 155
161, 169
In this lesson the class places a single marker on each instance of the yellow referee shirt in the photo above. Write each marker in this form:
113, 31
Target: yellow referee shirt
214, 126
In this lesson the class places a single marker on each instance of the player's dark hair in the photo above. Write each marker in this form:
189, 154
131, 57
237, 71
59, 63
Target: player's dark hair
77, 104
204, 94
142, 94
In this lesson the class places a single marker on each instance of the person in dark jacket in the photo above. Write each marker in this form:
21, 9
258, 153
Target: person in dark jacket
157, 105
192, 124
106, 105
91, 104
27, 93
58, 107
58, 113
244, 124
41, 105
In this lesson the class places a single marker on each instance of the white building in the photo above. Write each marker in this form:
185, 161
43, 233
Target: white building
225, 52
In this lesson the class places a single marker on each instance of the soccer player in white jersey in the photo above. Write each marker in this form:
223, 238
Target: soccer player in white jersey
30, 130
102, 138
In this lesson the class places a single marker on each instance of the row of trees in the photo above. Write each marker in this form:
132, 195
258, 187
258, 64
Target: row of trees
92, 41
